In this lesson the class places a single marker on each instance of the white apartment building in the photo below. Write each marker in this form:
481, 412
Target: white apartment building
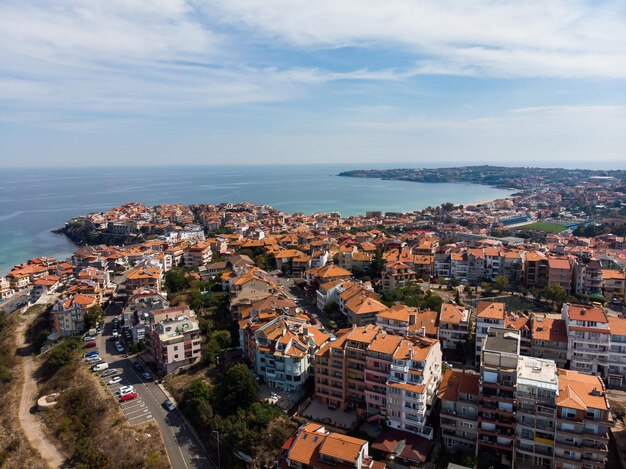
589, 339
175, 342
617, 351
414, 376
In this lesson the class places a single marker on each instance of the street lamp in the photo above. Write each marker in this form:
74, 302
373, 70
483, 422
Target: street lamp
217, 435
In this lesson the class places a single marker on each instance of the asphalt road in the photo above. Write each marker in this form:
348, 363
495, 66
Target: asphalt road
182, 448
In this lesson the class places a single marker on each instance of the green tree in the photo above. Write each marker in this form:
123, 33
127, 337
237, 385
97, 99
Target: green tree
211, 352
93, 315
237, 390
175, 280
222, 338
501, 283
555, 293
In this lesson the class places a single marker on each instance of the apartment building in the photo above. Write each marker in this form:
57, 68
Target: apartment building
536, 391
458, 416
415, 374
560, 272
617, 351
363, 309
175, 341
454, 326
68, 314
397, 275
549, 339
284, 351
200, 254
144, 277
498, 377
587, 278
583, 422
589, 338
340, 368
535, 270
520, 322
488, 315
399, 319
614, 285
377, 367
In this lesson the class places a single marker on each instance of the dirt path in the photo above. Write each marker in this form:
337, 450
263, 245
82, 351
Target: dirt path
30, 424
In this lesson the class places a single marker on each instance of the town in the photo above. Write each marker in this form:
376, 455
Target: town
486, 335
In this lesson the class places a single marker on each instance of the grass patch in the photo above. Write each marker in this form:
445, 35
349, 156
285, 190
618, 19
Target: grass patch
545, 226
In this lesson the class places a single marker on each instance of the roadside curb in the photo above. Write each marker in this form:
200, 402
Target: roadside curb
187, 424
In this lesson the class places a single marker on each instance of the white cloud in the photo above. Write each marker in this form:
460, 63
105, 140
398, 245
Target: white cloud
497, 38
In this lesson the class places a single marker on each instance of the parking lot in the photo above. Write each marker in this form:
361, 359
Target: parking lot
135, 410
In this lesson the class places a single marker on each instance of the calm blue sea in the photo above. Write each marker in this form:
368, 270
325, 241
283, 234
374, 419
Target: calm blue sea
35, 201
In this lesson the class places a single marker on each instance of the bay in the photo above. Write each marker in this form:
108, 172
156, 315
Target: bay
35, 201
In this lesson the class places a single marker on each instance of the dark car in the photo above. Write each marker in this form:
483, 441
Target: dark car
89, 345
169, 405
138, 367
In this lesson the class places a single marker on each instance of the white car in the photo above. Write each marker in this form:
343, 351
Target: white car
115, 380
125, 390
93, 359
100, 367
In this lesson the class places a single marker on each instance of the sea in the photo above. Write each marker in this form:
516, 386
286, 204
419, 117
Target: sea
35, 201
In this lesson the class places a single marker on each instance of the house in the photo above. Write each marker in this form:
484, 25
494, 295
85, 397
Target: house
614, 285
200, 254
68, 315
362, 309
144, 277
315, 447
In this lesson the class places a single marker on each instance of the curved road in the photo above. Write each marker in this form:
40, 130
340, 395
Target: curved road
182, 448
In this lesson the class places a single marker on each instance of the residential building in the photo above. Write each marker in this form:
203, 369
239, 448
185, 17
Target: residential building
175, 341
454, 326
614, 285
589, 338
397, 275
488, 315
399, 319
144, 277
378, 361
458, 417
200, 254
560, 272
587, 276
617, 351
549, 339
362, 309
498, 375
68, 314
535, 270
536, 391
583, 422
415, 374
284, 351
520, 322
315, 447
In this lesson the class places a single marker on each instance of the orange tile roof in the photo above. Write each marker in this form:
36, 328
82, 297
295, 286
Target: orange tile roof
576, 391
489, 310
587, 313
453, 314
549, 329
385, 343
342, 447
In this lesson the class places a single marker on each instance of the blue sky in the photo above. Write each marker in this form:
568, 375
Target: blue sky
86, 82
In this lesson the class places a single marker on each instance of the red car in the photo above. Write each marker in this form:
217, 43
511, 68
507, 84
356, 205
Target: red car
128, 397
89, 345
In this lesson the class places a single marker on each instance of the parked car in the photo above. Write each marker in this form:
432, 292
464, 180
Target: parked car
109, 372
147, 375
88, 338
89, 345
115, 380
169, 405
93, 359
128, 397
125, 390
138, 366
100, 367
119, 348
92, 353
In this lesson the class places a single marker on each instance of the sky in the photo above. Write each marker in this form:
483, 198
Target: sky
174, 82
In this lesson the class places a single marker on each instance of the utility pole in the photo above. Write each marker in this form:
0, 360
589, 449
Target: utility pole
219, 462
